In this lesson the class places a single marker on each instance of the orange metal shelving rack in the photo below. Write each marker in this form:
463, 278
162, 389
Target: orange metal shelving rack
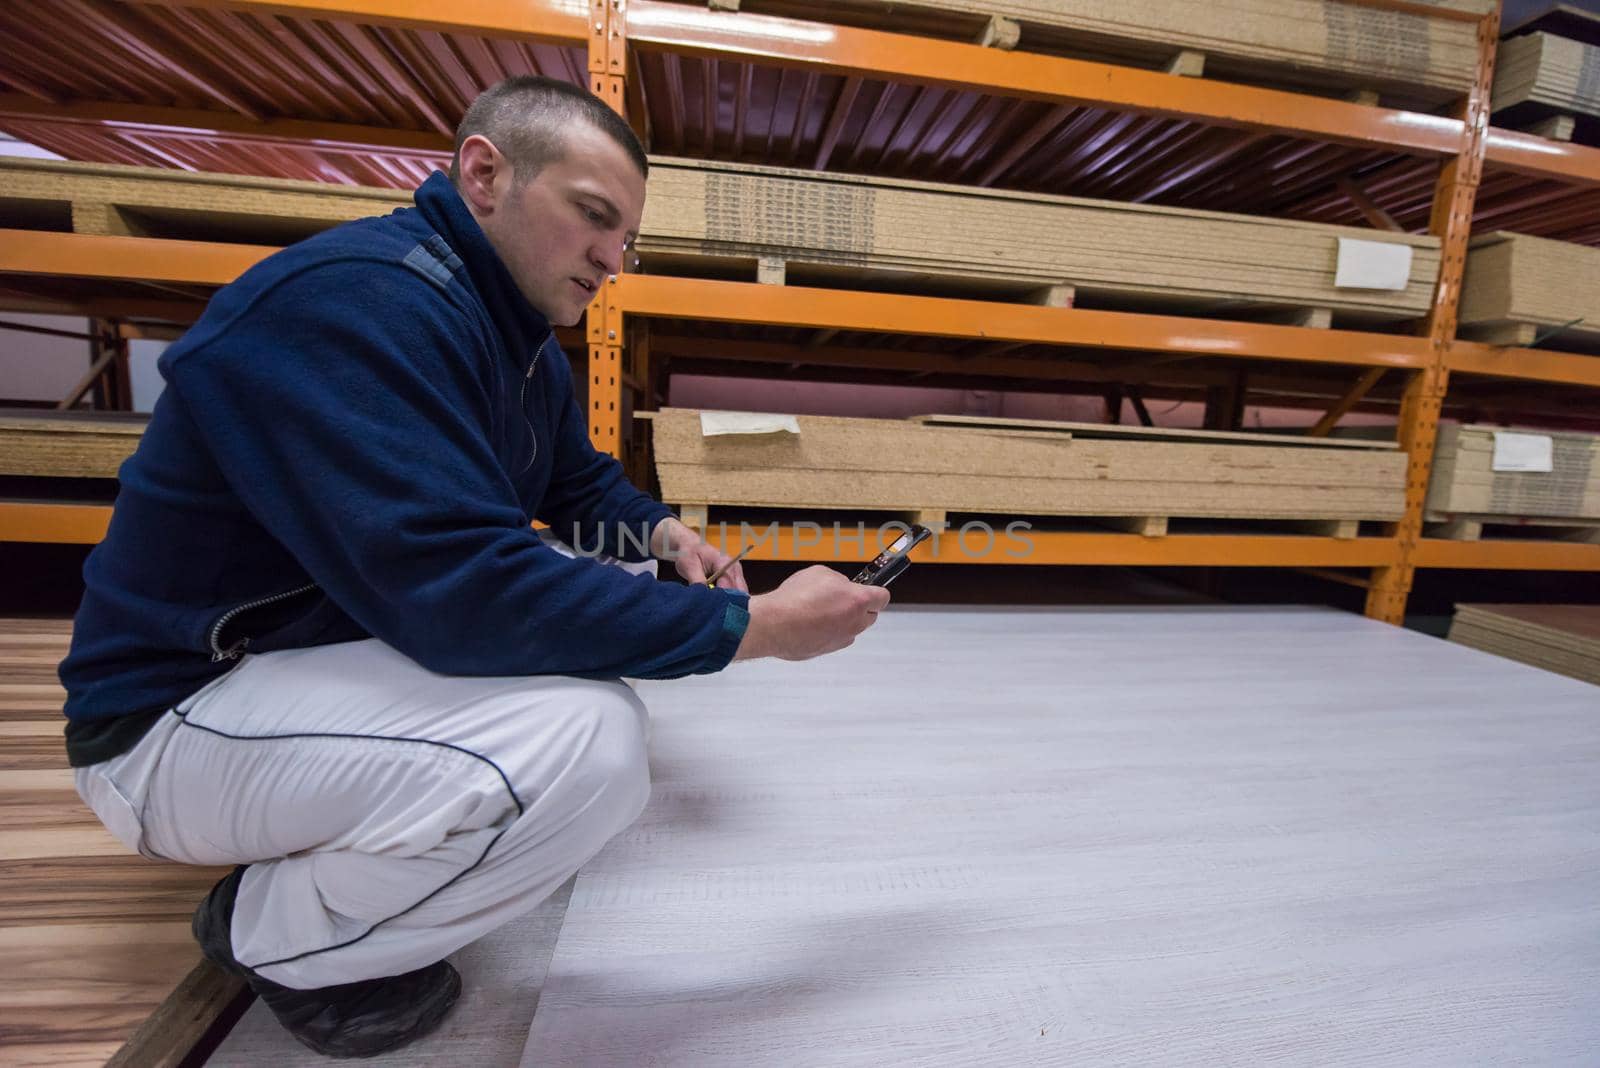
612, 28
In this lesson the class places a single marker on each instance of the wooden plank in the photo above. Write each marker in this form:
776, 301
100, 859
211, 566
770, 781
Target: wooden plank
92, 937
175, 1028
999, 32
1187, 64
1108, 430
1151, 526
770, 270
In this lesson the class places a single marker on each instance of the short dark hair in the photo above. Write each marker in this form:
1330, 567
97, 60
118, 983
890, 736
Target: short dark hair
527, 117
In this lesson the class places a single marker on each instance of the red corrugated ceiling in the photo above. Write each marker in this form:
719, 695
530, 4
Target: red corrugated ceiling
265, 67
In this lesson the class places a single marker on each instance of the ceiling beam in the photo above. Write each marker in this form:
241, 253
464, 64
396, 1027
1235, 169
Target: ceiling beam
334, 138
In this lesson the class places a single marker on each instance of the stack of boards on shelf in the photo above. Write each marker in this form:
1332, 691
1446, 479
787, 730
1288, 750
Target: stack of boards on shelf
848, 223
1518, 290
1466, 491
1181, 259
1563, 638
1317, 42
1547, 75
109, 199
67, 444
1006, 468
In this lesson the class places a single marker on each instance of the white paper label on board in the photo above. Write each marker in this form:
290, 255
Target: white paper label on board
714, 424
1372, 265
1523, 452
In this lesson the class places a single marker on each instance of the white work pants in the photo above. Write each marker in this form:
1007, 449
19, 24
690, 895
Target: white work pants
388, 815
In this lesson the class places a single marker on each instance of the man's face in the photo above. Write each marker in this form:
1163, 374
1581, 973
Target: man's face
563, 232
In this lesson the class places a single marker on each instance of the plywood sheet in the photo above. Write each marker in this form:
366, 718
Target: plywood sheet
1095, 838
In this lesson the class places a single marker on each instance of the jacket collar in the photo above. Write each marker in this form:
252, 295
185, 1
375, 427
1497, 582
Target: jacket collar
520, 324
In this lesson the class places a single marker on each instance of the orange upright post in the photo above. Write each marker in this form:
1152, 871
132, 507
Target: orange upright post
608, 69
1453, 199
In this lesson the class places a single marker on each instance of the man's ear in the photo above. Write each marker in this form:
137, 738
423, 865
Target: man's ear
483, 169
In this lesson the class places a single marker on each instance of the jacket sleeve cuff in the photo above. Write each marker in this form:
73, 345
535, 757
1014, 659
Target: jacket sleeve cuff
735, 621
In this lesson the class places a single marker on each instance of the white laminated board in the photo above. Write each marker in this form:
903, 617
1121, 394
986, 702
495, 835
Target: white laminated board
1100, 837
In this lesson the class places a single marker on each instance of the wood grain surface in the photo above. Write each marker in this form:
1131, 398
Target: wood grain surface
92, 938
1100, 837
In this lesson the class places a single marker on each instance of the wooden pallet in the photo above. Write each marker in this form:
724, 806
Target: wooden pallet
959, 284
93, 939
703, 516
1473, 527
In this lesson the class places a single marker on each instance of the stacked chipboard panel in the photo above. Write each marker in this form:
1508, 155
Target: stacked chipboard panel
74, 445
852, 223
1560, 638
1432, 56
1466, 485
1541, 68
1520, 289
1073, 470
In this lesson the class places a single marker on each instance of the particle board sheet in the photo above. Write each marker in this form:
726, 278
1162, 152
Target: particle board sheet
68, 445
1099, 837
1464, 482
1129, 432
730, 210
1542, 68
92, 938
1564, 638
896, 464
1514, 278
1284, 37
97, 198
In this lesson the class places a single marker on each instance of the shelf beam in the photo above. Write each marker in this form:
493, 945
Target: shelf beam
66, 524
1529, 365
1516, 555
332, 138
554, 21
141, 259
838, 309
1540, 157
816, 544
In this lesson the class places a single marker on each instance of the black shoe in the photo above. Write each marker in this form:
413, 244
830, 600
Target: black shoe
350, 1020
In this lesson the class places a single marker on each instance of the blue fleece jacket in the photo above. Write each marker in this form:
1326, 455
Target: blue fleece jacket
352, 443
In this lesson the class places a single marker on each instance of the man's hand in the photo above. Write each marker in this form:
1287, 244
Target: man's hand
815, 611
695, 560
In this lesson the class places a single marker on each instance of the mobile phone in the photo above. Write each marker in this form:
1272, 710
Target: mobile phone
887, 565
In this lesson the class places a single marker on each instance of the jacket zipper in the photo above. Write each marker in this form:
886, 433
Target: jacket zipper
522, 400
236, 650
